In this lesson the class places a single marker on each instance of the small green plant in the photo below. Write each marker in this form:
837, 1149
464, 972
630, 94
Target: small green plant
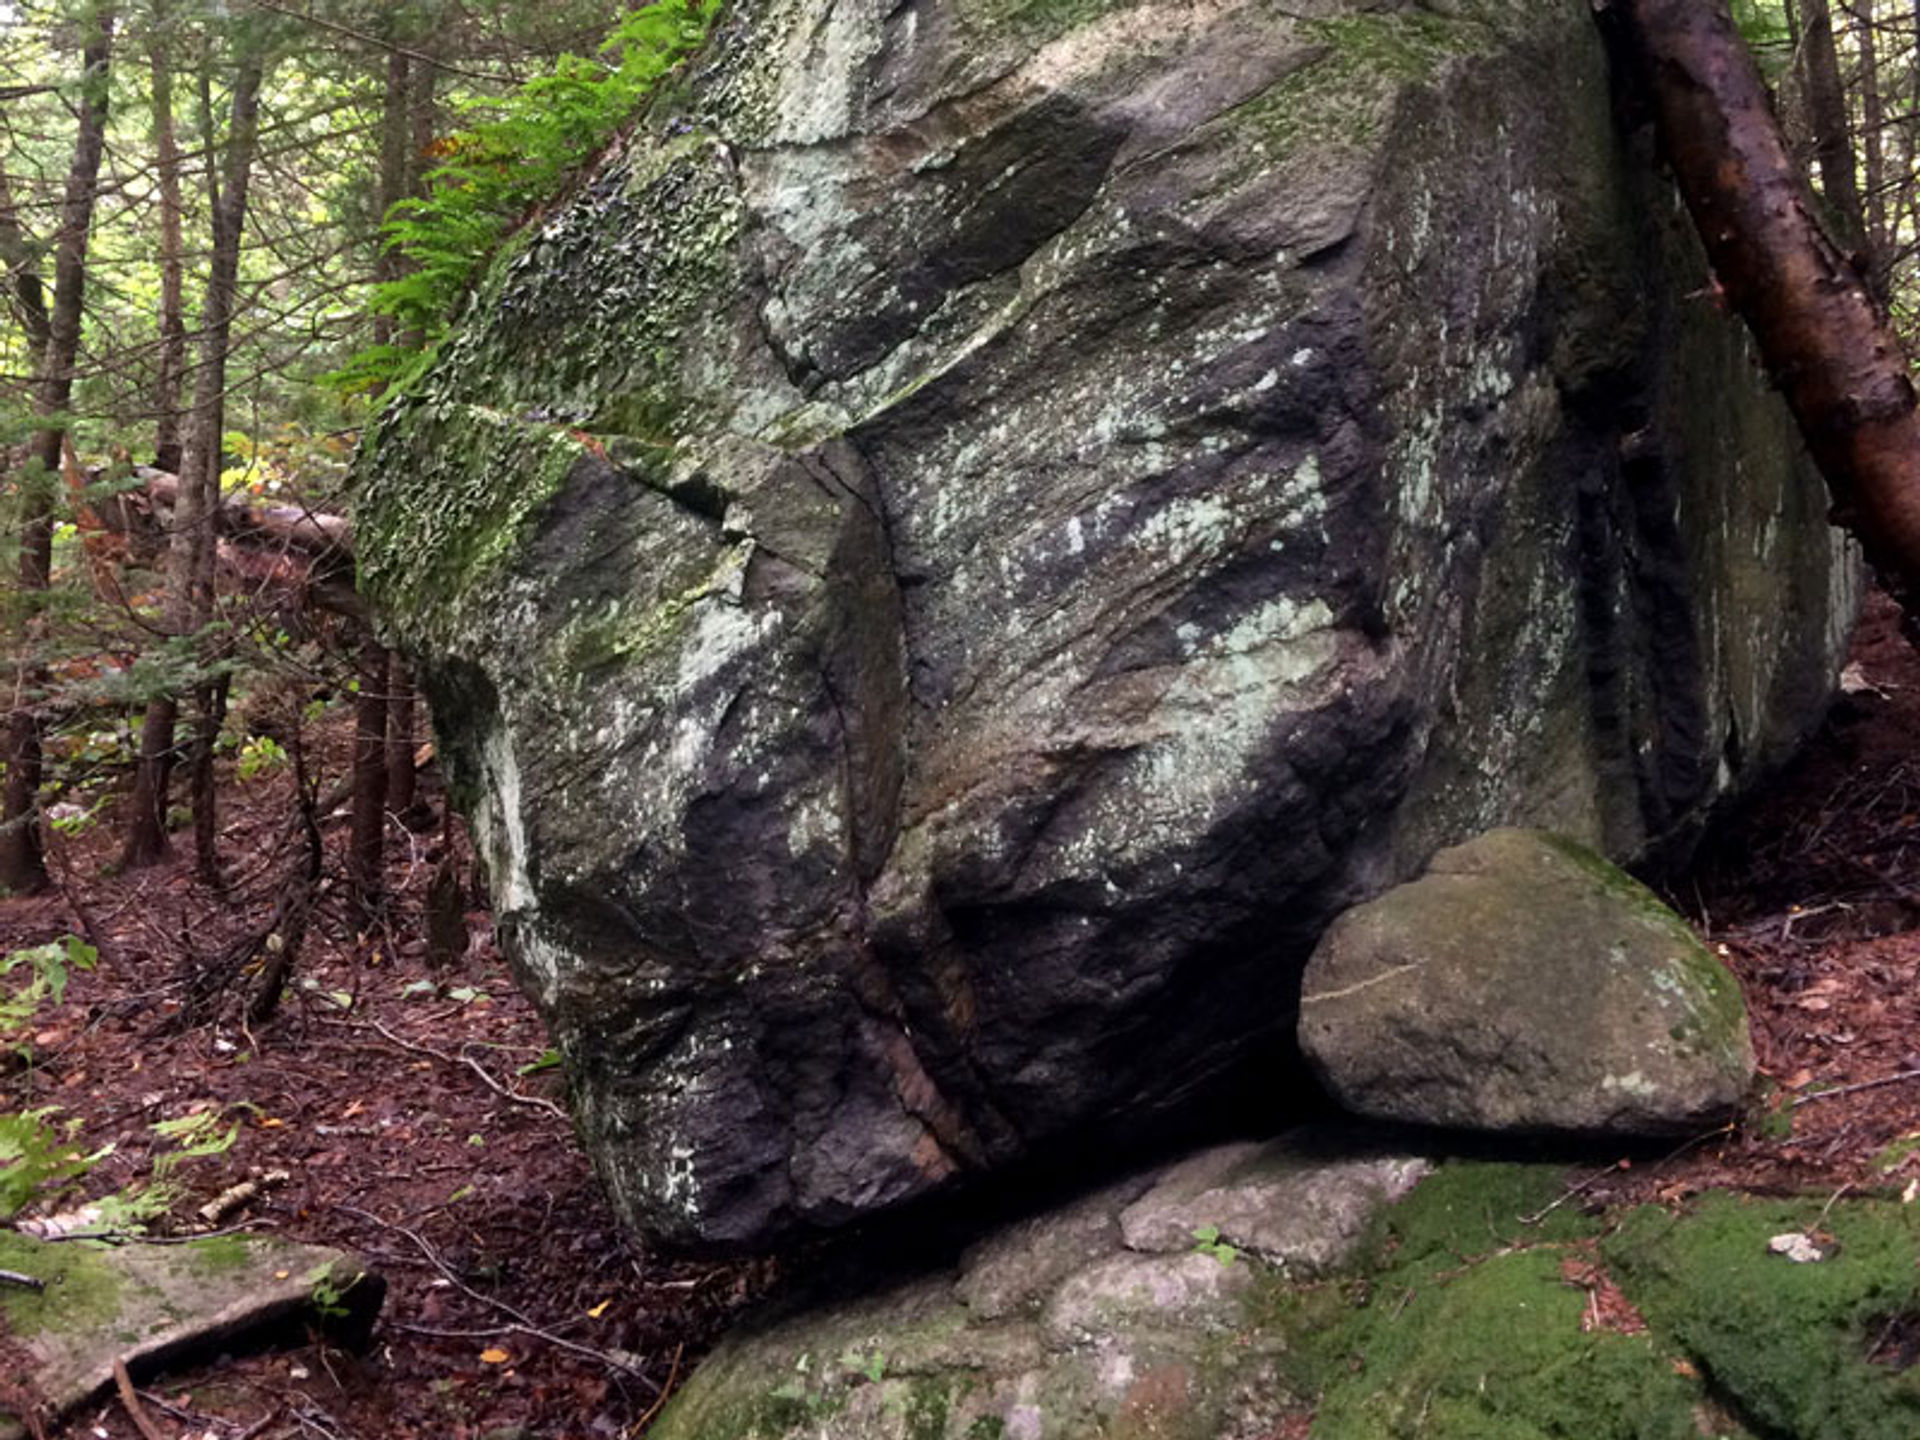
260, 755
39, 1157
194, 1136
327, 1294
870, 1365
1208, 1242
549, 1060
47, 968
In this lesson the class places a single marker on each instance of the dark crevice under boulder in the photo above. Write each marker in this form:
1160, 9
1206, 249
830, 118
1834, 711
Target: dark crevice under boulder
988, 523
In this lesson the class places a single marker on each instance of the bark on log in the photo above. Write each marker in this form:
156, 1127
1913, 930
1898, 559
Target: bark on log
306, 530
1821, 335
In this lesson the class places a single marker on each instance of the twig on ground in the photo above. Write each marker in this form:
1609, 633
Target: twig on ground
673, 1374
537, 1102
1578, 1189
26, 1282
127, 1237
136, 1412
1897, 1078
521, 1322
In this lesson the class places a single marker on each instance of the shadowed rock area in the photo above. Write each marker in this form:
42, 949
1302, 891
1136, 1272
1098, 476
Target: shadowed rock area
981, 529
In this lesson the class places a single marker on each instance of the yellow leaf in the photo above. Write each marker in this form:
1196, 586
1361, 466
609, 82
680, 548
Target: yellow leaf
494, 1356
597, 1311
269, 1122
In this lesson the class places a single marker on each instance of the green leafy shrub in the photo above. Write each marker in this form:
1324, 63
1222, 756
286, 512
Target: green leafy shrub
495, 172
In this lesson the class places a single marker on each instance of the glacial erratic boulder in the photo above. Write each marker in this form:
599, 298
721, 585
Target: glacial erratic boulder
1524, 985
985, 525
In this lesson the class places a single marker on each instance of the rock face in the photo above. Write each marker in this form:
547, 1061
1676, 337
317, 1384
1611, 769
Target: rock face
1525, 985
953, 556
1105, 1317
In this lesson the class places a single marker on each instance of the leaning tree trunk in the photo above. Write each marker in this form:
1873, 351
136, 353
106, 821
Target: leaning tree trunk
23, 864
1822, 338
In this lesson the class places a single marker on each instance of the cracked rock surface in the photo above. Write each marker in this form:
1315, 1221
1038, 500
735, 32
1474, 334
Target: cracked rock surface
986, 523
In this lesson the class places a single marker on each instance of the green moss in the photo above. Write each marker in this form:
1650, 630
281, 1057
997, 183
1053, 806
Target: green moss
1495, 1349
578, 331
1717, 1013
1789, 1343
82, 1289
1468, 1207
927, 1406
1343, 96
1459, 1326
449, 489
220, 1253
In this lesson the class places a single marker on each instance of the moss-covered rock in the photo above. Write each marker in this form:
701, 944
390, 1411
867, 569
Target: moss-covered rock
1484, 1305
1523, 984
988, 522
148, 1307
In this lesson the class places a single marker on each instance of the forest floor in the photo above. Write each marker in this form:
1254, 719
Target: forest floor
400, 1104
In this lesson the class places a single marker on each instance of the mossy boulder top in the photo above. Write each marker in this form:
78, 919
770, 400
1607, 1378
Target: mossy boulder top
950, 558
1523, 984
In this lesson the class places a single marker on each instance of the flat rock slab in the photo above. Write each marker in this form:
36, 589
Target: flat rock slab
1110, 1316
1523, 984
150, 1306
1298, 1210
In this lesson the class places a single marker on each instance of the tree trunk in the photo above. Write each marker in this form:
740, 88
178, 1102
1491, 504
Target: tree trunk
172, 360
1832, 139
146, 840
405, 145
23, 865
191, 561
367, 846
207, 423
23, 275
402, 794
1821, 336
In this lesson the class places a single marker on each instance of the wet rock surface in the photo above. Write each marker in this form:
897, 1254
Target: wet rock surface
978, 533
1522, 985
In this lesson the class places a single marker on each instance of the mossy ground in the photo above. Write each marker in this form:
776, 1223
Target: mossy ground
1802, 1349
81, 1287
1460, 1324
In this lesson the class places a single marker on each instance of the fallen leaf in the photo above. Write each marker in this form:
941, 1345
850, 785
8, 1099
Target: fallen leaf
597, 1311
1685, 1368
494, 1356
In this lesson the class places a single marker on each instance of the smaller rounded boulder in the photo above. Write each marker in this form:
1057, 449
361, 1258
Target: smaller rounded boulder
1524, 984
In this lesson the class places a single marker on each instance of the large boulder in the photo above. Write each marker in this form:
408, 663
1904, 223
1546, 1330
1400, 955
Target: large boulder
1524, 985
988, 522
